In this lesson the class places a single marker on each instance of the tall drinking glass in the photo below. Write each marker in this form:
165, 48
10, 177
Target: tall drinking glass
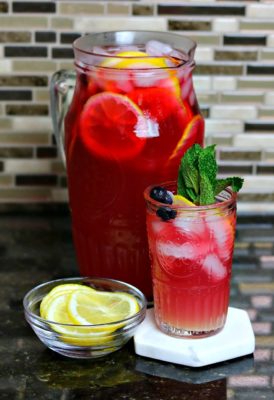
132, 116
191, 258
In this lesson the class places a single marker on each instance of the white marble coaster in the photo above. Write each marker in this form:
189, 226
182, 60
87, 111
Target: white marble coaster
235, 340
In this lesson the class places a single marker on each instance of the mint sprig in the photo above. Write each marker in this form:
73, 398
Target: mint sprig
197, 178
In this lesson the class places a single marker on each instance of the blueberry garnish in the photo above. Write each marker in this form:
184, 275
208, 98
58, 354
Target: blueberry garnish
160, 194
166, 213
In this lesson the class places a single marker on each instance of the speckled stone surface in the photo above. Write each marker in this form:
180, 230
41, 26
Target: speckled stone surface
35, 248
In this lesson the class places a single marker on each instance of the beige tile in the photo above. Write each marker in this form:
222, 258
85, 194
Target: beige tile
221, 83
260, 10
33, 65
37, 124
256, 207
266, 112
204, 54
253, 25
2, 109
61, 23
203, 39
118, 8
24, 21
25, 138
57, 166
6, 180
268, 155
269, 98
214, 126
66, 65
221, 140
266, 54
258, 196
27, 166
59, 195
5, 66
207, 97
5, 123
230, 111
243, 97
225, 25
84, 8
32, 195
261, 183
261, 140
115, 23
270, 40
41, 95
255, 82
201, 83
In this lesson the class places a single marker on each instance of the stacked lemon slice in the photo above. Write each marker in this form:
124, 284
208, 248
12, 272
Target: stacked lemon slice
85, 316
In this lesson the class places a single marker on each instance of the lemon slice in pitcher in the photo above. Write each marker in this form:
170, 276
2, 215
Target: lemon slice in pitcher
109, 126
135, 60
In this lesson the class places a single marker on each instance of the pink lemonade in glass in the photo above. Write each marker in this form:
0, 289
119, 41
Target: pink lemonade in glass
191, 257
132, 117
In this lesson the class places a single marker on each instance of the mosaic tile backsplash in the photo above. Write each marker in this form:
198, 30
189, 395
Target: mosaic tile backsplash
234, 81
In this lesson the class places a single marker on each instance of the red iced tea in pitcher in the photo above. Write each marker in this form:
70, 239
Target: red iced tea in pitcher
132, 117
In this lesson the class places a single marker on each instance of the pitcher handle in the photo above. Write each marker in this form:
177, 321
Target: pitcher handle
62, 86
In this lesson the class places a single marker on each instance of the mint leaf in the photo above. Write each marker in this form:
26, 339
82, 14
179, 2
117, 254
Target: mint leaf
197, 177
208, 173
181, 187
188, 177
235, 183
191, 169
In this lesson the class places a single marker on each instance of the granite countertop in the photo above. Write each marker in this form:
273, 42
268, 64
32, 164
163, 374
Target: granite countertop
37, 248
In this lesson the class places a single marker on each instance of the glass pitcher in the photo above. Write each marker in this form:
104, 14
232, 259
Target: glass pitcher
130, 112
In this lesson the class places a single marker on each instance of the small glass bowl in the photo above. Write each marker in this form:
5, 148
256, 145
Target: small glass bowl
94, 340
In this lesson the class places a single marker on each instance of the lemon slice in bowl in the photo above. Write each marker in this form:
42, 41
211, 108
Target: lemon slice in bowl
60, 321
83, 316
58, 290
70, 333
98, 307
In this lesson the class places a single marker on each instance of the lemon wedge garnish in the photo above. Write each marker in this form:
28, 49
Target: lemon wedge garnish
181, 200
